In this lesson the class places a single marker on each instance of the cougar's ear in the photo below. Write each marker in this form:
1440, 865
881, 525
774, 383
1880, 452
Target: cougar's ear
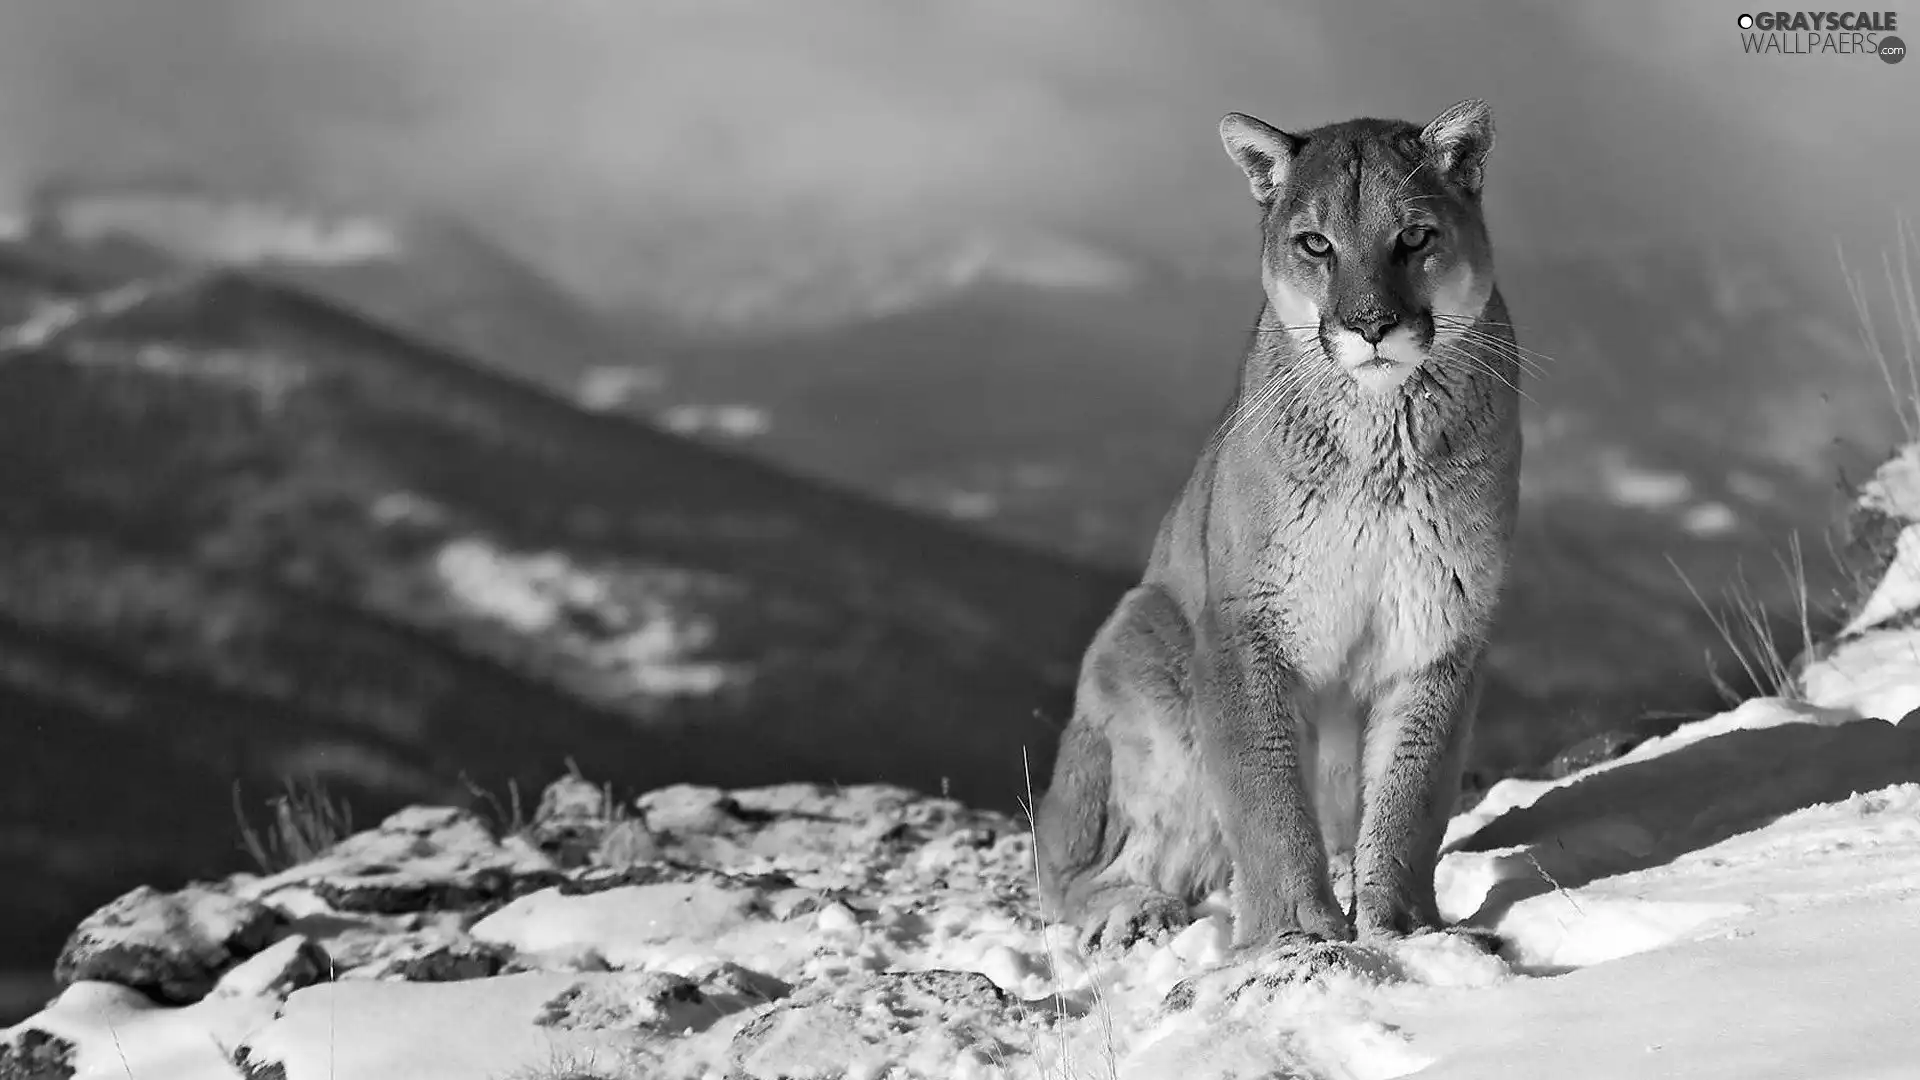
1458, 141
1261, 150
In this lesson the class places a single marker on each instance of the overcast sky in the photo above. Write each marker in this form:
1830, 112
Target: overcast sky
613, 138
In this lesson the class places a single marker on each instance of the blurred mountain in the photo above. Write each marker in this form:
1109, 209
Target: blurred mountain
433, 275
1062, 417
251, 532
1692, 404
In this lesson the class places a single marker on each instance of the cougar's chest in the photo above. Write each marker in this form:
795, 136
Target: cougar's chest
1383, 586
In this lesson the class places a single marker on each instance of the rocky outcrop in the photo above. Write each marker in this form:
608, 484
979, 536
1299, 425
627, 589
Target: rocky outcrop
173, 946
36, 1055
692, 929
1862, 667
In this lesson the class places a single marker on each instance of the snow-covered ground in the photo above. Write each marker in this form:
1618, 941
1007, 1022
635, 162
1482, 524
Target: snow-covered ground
1739, 899
1736, 900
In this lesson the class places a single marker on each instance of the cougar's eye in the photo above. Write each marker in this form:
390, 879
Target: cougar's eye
1415, 237
1314, 244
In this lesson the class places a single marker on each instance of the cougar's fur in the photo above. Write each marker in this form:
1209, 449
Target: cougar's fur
1282, 705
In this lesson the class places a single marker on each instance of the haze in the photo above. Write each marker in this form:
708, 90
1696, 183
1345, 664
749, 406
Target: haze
638, 150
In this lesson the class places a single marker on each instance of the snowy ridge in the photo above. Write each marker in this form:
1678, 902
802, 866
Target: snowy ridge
805, 931
804, 286
205, 228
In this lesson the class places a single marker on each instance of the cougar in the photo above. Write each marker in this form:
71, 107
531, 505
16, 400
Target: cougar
1281, 706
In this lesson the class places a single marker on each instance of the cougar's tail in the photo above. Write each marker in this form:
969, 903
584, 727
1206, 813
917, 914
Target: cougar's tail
1070, 824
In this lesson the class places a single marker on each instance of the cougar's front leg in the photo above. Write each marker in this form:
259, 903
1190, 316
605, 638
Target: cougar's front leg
1416, 747
1246, 713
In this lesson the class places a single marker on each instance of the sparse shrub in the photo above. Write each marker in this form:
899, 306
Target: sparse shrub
1765, 651
305, 821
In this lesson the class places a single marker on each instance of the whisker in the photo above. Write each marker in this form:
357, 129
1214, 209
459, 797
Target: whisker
1482, 368
1245, 407
1520, 363
1482, 365
1533, 359
1407, 179
1460, 322
1279, 390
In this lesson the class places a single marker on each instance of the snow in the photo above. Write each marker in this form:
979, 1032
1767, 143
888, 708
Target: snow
1710, 519
1874, 666
726, 421
1737, 899
1871, 675
413, 1031
639, 635
1825, 994
1634, 485
792, 288
1898, 590
605, 388
120, 1033
237, 232
1894, 488
970, 505
48, 318
663, 927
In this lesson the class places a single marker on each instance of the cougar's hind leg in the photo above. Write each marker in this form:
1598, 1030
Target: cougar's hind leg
1126, 839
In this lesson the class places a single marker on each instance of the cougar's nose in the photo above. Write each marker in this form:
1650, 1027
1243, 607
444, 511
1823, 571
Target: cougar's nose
1373, 326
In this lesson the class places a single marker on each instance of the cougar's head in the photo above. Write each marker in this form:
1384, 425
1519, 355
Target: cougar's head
1375, 252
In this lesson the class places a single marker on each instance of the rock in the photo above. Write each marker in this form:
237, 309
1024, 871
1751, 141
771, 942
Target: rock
1863, 667
577, 957
570, 821
420, 860
171, 946
290, 964
441, 963
1603, 746
692, 808
573, 797
578, 824
257, 1070
650, 1002
626, 843
400, 893
734, 987
836, 1029
430, 955
1884, 510
33, 1054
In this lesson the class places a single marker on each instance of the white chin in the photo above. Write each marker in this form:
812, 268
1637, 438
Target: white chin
1382, 375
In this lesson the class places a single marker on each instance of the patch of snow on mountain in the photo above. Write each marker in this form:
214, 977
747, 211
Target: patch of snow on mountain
231, 232
727, 421
606, 388
618, 625
811, 287
1636, 486
1710, 519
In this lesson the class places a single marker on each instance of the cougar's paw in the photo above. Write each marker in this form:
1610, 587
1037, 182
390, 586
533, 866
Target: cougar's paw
1132, 917
1299, 955
1479, 937
1385, 915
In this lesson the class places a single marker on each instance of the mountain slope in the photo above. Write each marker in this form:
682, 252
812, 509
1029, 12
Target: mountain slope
249, 533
